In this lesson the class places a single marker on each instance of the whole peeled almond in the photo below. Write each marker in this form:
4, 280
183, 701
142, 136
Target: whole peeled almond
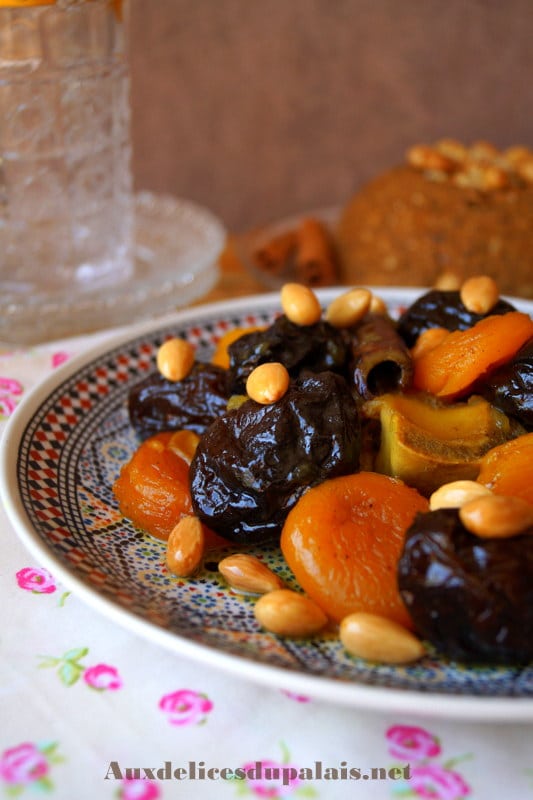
376, 638
497, 516
456, 493
289, 613
479, 294
300, 304
175, 359
246, 573
349, 308
268, 382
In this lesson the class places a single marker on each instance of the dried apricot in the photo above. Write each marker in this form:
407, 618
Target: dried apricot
221, 356
343, 540
451, 368
507, 469
153, 487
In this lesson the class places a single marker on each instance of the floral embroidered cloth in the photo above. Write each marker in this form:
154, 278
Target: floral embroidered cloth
91, 711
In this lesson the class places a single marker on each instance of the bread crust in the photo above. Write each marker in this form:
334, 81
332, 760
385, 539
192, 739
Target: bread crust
406, 229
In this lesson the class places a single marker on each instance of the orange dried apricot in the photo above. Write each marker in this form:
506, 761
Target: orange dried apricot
343, 540
220, 356
153, 487
451, 368
506, 469
184, 443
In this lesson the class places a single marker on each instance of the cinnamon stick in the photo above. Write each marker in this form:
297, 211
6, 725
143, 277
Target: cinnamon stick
275, 255
316, 260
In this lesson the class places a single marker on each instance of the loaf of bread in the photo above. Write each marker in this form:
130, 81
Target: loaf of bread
448, 213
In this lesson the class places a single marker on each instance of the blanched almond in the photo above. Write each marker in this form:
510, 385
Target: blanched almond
447, 281
377, 638
268, 382
425, 157
480, 294
175, 359
185, 547
497, 516
300, 304
348, 308
456, 493
378, 305
246, 573
288, 613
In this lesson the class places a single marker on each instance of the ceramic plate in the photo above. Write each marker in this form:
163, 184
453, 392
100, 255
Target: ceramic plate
61, 452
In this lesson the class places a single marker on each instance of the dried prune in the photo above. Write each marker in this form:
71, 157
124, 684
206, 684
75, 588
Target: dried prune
511, 387
157, 404
317, 347
441, 309
472, 598
253, 463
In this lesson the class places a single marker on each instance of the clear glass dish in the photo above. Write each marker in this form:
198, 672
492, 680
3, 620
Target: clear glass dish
176, 250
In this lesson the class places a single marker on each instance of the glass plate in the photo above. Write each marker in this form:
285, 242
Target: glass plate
61, 452
176, 250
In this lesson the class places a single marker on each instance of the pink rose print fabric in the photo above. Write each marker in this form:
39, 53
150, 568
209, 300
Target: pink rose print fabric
411, 743
138, 789
70, 668
23, 764
102, 677
275, 780
186, 707
59, 358
28, 764
298, 698
10, 391
434, 782
429, 779
36, 580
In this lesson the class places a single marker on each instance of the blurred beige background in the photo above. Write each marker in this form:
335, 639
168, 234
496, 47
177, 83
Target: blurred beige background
263, 108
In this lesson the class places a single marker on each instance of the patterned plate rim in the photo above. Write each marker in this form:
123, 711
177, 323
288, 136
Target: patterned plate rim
376, 698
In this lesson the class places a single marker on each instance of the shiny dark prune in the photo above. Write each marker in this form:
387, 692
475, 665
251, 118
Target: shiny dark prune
253, 463
441, 309
510, 387
157, 404
471, 598
317, 347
